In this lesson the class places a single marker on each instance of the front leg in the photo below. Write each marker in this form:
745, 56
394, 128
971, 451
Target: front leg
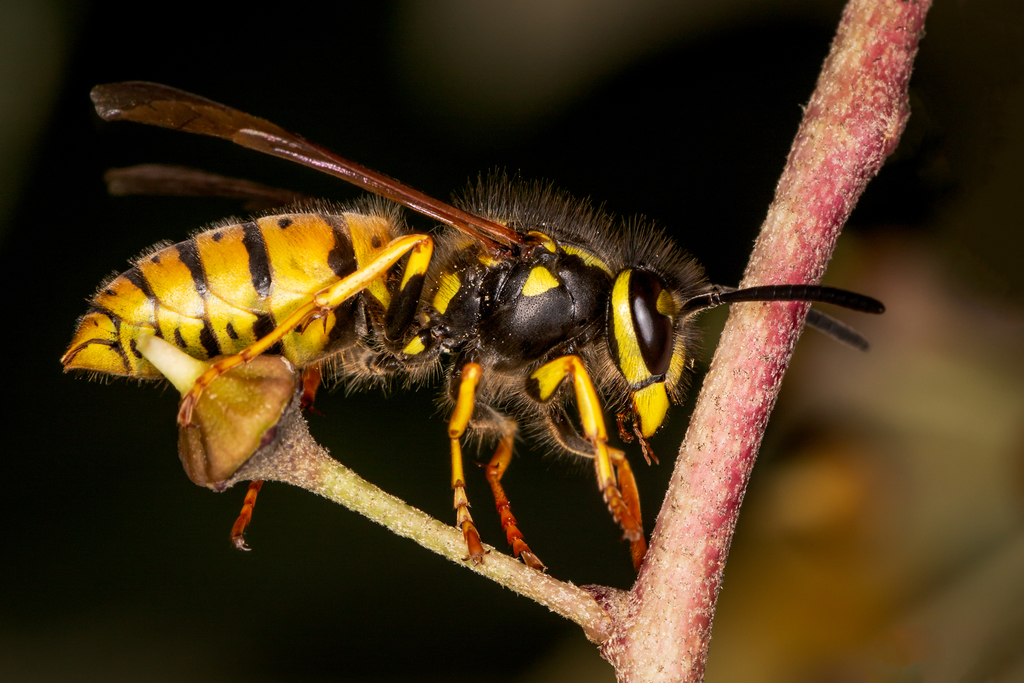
625, 509
560, 426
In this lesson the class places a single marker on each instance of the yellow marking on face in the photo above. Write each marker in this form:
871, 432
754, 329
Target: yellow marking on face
666, 305
539, 281
677, 364
587, 258
447, 288
414, 347
651, 404
548, 243
630, 360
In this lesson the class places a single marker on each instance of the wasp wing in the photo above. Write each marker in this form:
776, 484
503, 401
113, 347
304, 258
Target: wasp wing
161, 105
166, 180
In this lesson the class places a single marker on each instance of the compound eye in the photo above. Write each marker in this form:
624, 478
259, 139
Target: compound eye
653, 328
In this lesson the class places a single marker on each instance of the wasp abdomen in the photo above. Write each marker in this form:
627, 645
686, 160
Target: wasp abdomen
224, 288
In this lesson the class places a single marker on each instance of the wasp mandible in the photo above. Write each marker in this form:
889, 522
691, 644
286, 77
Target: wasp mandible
526, 302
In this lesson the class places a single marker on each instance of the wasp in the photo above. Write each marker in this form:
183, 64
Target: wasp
540, 311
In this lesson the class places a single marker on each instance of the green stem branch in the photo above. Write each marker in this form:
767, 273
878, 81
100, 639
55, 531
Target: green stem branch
297, 459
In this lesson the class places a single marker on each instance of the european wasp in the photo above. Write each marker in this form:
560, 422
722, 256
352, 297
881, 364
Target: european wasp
527, 301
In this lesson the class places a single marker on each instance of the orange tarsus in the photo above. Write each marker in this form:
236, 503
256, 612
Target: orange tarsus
245, 516
609, 463
495, 471
310, 383
473, 543
631, 499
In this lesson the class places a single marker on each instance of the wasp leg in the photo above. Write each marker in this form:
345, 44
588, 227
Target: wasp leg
543, 384
495, 471
421, 247
311, 375
631, 497
245, 516
561, 428
464, 404
566, 434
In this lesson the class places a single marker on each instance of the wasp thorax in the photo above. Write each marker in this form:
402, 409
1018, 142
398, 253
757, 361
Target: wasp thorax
641, 339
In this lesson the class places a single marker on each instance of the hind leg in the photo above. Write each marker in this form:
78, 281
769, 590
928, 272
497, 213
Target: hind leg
495, 471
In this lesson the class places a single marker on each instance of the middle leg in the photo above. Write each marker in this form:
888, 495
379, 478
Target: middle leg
468, 378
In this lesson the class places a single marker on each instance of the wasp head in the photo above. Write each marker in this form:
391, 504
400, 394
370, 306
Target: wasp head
650, 335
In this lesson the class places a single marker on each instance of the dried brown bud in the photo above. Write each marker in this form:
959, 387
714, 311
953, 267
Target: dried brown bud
236, 416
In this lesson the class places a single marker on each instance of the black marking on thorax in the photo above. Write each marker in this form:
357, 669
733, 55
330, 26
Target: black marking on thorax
525, 324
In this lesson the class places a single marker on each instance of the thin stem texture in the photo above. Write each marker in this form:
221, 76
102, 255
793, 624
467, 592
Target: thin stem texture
852, 122
297, 459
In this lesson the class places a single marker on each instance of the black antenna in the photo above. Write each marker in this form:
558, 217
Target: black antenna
839, 331
827, 295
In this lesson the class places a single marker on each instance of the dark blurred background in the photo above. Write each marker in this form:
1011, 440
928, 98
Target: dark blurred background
882, 536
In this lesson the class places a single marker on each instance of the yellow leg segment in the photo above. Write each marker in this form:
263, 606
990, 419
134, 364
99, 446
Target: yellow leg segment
456, 428
627, 514
495, 471
421, 247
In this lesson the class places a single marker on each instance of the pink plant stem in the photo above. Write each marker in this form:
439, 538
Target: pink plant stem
854, 120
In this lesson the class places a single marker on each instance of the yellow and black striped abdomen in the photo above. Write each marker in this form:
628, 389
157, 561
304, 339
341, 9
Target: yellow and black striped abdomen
220, 291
